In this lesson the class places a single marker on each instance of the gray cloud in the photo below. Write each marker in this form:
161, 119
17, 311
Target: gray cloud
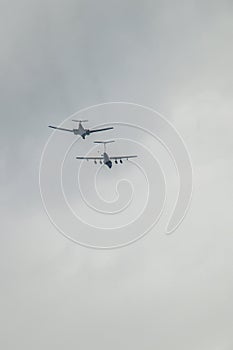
57, 57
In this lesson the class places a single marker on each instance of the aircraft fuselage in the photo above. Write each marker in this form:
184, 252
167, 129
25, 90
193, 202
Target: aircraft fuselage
107, 160
81, 131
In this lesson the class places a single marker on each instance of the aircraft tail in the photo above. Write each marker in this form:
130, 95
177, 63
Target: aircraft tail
105, 142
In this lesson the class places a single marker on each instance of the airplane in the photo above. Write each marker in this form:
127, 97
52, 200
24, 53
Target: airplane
105, 159
80, 130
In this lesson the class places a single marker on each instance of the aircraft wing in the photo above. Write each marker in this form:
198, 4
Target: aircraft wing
122, 157
54, 127
96, 130
90, 158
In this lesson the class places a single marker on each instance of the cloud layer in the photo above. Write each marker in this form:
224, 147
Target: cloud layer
163, 292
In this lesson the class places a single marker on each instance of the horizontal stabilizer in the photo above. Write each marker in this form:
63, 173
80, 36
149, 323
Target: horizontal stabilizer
104, 142
80, 121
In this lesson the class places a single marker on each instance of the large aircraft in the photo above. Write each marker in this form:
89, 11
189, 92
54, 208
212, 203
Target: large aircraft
80, 130
105, 159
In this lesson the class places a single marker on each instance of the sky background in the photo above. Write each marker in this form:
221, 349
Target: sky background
163, 291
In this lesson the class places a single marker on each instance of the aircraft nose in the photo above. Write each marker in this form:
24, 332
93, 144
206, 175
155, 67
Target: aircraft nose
109, 164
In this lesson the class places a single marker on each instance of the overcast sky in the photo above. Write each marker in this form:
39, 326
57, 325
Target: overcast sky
162, 292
